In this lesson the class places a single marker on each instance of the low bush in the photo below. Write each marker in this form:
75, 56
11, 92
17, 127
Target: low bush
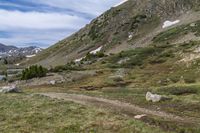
180, 90
68, 66
91, 56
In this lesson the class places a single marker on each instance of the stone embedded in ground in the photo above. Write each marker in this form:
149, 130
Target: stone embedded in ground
156, 97
153, 97
9, 89
53, 82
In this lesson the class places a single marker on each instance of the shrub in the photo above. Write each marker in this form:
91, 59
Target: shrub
180, 90
91, 56
68, 66
34, 71
157, 61
189, 81
190, 78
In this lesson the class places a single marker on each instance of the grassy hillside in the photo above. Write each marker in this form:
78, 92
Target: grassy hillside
163, 68
26, 113
142, 20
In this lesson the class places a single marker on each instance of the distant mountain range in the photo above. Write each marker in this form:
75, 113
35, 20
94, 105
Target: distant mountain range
8, 51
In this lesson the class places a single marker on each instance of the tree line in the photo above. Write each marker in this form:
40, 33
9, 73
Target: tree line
34, 71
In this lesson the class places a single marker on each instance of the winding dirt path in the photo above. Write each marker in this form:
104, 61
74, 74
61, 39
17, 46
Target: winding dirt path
117, 106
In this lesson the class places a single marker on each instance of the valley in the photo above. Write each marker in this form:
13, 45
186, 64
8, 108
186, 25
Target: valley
134, 69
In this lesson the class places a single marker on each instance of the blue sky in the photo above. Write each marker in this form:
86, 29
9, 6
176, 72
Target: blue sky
44, 22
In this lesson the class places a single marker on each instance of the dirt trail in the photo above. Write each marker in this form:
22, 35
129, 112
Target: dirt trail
117, 106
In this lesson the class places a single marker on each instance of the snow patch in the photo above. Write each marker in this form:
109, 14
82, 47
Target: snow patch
37, 50
80, 59
123, 1
96, 50
170, 23
29, 56
130, 37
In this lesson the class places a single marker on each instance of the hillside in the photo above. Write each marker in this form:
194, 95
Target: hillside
132, 24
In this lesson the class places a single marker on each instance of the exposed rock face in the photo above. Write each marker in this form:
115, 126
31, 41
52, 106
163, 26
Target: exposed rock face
10, 89
153, 97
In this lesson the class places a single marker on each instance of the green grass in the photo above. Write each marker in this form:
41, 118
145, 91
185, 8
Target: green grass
176, 32
25, 113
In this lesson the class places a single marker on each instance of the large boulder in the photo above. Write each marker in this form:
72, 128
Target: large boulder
9, 89
153, 97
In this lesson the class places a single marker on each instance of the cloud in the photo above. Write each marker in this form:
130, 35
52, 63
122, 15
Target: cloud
38, 20
37, 28
93, 7
41, 38
44, 22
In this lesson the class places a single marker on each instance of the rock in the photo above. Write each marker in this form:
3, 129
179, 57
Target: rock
156, 97
10, 89
53, 82
153, 97
192, 24
89, 88
140, 116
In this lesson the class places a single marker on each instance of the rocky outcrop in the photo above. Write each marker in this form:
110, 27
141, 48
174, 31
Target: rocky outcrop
9, 89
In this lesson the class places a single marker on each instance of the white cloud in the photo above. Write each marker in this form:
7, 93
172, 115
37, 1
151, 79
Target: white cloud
94, 7
43, 38
50, 26
39, 20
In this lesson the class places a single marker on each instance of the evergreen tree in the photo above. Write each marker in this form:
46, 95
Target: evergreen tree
33, 72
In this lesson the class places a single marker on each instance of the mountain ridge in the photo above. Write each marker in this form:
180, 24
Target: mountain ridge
129, 25
14, 51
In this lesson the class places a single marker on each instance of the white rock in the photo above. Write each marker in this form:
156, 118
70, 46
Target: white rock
192, 24
10, 89
53, 82
153, 97
140, 116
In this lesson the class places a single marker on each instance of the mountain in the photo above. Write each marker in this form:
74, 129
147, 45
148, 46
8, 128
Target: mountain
15, 51
140, 60
4, 48
132, 24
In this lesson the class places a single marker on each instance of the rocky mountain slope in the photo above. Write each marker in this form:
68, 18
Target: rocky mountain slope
133, 24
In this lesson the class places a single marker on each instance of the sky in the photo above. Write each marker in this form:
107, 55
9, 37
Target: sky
44, 22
